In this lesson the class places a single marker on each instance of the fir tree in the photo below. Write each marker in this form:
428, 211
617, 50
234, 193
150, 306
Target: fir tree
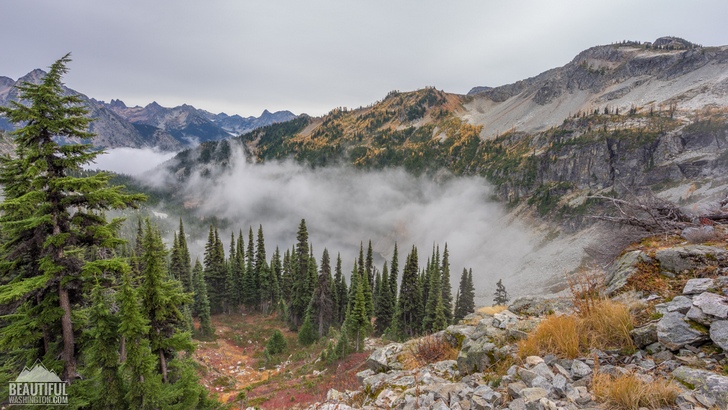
277, 343
369, 265
385, 306
357, 321
394, 274
434, 310
501, 296
201, 306
446, 287
161, 300
466, 297
300, 291
409, 302
102, 360
307, 335
215, 272
59, 216
341, 292
322, 303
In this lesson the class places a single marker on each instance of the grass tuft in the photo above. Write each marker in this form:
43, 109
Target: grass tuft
629, 392
605, 325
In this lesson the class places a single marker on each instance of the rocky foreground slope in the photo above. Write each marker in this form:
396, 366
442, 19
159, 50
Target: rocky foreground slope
675, 358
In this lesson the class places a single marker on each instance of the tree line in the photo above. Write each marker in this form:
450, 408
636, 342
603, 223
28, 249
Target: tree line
313, 294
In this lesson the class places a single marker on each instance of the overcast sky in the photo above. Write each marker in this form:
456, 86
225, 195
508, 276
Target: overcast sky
243, 57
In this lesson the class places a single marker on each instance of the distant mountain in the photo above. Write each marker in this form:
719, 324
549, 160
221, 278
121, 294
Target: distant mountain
153, 126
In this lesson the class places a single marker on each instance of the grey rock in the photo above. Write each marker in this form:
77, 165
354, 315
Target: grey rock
533, 361
696, 315
646, 364
674, 332
680, 304
579, 370
645, 335
380, 358
515, 388
719, 333
479, 403
531, 305
688, 258
527, 376
562, 371
662, 356
456, 334
439, 405
445, 368
542, 369
622, 269
476, 356
614, 371
517, 404
697, 286
504, 319
516, 334
364, 374
542, 382
559, 385
712, 304
488, 394
709, 384
533, 394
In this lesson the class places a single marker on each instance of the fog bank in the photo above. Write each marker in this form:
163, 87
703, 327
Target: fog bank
130, 161
343, 206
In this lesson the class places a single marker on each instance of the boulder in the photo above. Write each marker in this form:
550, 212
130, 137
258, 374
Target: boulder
688, 258
712, 304
698, 286
719, 333
709, 384
674, 332
622, 269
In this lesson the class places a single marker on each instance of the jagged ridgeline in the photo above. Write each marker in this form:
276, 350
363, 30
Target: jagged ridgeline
617, 119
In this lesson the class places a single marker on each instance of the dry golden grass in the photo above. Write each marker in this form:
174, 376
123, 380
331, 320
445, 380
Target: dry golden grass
556, 334
629, 392
491, 310
605, 325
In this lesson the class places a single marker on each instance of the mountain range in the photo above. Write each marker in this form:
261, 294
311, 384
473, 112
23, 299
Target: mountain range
152, 126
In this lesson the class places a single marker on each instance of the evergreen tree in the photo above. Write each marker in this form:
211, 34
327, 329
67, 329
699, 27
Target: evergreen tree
394, 274
357, 321
466, 296
286, 278
434, 310
300, 291
322, 303
341, 292
59, 216
102, 360
277, 343
377, 289
276, 271
201, 306
369, 265
501, 296
446, 287
409, 302
143, 385
215, 272
161, 299
239, 271
385, 305
307, 335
